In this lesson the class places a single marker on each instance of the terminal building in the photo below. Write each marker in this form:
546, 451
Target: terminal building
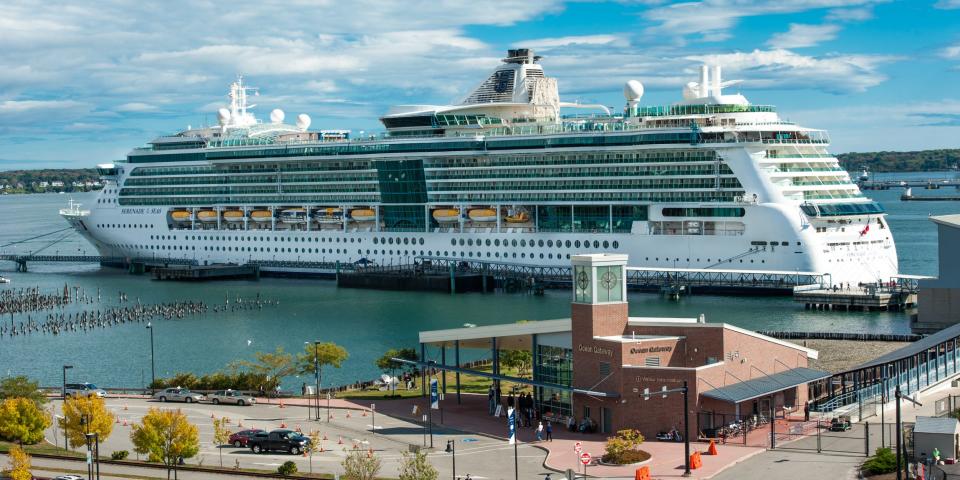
603, 365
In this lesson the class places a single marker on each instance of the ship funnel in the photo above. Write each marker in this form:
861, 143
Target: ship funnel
704, 81
717, 86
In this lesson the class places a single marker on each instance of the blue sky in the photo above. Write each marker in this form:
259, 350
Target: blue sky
84, 84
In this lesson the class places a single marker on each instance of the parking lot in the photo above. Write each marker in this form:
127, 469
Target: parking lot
480, 456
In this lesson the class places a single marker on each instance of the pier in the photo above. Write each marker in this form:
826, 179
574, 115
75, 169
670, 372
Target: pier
896, 295
926, 183
204, 272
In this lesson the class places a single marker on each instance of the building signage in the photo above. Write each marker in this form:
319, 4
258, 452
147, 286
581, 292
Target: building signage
657, 380
595, 349
664, 348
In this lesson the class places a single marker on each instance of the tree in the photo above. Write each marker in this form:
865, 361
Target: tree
21, 387
22, 421
386, 363
417, 467
221, 435
274, 366
313, 446
328, 353
359, 466
19, 464
519, 360
84, 414
165, 436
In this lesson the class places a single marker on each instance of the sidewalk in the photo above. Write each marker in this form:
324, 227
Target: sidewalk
471, 416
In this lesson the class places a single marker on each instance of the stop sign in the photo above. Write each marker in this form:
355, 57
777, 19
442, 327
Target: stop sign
585, 458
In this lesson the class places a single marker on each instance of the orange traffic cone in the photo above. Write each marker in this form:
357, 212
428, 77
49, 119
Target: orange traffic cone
281, 403
370, 453
339, 439
298, 429
240, 424
324, 436
712, 450
364, 413
283, 425
212, 416
118, 420
348, 414
124, 423
125, 407
304, 454
330, 417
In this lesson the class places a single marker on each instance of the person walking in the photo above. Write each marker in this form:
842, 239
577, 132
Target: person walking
549, 431
491, 403
539, 431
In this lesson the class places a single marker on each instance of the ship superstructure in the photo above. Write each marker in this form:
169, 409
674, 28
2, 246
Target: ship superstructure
710, 182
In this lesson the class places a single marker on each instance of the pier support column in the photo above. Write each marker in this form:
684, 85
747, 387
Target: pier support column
534, 369
456, 358
453, 277
496, 364
423, 371
443, 361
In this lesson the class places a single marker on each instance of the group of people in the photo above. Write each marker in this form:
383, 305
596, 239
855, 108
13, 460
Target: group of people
528, 415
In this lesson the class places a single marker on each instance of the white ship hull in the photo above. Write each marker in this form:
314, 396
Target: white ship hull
845, 256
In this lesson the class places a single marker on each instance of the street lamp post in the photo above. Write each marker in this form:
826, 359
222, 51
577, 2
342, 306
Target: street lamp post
153, 374
63, 392
93, 439
686, 419
316, 373
452, 449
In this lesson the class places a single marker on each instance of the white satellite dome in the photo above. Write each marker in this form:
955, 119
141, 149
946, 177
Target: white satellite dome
276, 116
632, 90
691, 91
303, 121
223, 116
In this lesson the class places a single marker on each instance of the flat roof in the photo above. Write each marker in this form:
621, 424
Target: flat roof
637, 338
914, 348
952, 220
766, 385
947, 425
717, 270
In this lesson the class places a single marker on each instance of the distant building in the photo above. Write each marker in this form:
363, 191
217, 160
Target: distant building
939, 298
56, 183
44, 184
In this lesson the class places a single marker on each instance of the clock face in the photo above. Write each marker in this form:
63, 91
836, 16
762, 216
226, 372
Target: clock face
583, 282
609, 280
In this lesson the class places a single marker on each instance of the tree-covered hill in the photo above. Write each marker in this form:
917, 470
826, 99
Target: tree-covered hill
925, 160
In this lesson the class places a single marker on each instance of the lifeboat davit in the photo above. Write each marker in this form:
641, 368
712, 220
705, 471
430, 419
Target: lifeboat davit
446, 215
207, 216
520, 217
233, 215
483, 215
261, 216
363, 214
181, 216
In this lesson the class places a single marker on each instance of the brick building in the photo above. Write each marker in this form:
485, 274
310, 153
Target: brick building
605, 366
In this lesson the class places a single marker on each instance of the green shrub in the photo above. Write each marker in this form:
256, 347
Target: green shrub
622, 449
119, 454
288, 468
883, 461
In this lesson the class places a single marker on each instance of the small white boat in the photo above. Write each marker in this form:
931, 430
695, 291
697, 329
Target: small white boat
181, 216
261, 216
233, 215
207, 216
4, 280
293, 216
328, 215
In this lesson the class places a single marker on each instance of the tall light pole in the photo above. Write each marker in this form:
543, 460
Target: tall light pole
63, 392
452, 449
153, 374
316, 373
647, 394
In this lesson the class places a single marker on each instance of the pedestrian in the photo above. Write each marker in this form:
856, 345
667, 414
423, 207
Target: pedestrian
510, 400
303, 390
806, 412
491, 403
539, 431
549, 431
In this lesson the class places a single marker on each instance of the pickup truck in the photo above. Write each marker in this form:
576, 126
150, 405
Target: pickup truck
278, 440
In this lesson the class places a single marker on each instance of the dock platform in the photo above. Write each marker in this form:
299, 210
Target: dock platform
865, 299
204, 272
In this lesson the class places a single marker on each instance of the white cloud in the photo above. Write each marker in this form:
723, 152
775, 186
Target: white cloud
701, 17
802, 35
17, 107
859, 14
952, 51
785, 69
135, 107
554, 42
947, 4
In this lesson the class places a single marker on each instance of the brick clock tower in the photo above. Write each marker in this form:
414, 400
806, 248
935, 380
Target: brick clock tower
599, 296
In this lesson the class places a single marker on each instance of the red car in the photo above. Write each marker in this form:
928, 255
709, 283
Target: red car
240, 438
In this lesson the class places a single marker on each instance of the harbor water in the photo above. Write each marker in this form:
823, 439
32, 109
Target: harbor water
365, 322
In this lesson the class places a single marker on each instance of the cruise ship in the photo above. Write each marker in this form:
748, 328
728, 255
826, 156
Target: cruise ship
709, 182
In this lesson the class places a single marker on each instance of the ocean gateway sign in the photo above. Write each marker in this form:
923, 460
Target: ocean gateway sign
595, 349
657, 349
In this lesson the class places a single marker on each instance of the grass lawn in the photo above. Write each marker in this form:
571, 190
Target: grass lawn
468, 384
41, 448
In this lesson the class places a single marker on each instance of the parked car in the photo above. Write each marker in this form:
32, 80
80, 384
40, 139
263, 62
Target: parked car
68, 477
278, 440
83, 389
240, 438
177, 394
231, 396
